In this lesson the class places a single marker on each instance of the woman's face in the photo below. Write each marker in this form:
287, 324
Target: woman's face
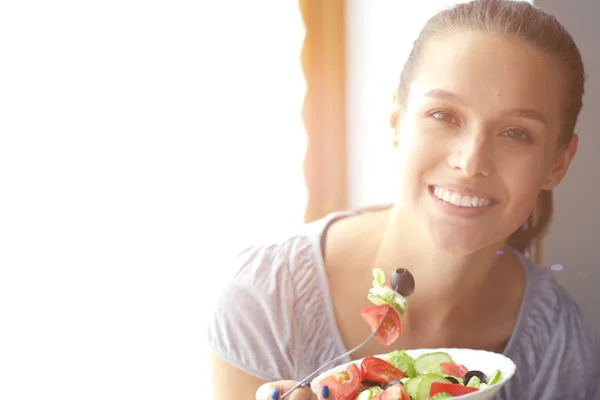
477, 140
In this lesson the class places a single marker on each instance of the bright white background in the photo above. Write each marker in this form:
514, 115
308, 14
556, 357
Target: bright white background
141, 143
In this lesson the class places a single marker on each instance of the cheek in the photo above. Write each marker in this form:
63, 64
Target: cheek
522, 198
522, 174
415, 152
522, 181
412, 162
413, 166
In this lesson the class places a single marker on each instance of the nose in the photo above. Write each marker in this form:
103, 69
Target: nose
472, 154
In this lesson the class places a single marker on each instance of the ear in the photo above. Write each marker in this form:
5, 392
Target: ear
561, 164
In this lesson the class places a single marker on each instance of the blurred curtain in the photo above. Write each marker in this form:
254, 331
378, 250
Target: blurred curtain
323, 62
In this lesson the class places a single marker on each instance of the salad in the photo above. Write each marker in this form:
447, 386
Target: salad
397, 375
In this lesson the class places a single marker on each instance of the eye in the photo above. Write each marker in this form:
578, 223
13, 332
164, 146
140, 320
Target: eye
516, 134
444, 116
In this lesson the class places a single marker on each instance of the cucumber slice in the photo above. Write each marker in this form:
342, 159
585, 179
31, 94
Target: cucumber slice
441, 396
494, 378
412, 386
425, 385
474, 382
430, 362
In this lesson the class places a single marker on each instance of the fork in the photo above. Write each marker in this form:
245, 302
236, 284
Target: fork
329, 363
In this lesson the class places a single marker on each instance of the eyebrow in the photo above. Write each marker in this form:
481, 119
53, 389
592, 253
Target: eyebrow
441, 94
529, 113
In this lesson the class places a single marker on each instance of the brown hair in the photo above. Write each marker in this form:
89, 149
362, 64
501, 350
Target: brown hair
533, 26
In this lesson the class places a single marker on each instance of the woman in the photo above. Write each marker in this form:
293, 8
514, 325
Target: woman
483, 129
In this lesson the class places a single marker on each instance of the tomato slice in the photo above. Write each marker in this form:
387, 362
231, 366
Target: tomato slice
343, 385
379, 371
450, 388
395, 392
391, 327
453, 369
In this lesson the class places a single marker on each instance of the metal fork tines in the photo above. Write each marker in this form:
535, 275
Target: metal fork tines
329, 363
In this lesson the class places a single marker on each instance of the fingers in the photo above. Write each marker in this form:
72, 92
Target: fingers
274, 391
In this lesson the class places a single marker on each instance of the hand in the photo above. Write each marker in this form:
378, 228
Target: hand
274, 390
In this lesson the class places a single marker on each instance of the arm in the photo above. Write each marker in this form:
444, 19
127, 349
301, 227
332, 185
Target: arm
247, 386
229, 382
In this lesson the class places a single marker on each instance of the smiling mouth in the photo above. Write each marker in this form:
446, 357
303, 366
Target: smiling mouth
448, 196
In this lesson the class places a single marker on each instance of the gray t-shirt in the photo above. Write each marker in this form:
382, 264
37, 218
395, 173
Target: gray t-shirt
275, 320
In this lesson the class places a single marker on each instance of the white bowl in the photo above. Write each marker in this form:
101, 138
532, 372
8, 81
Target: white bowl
481, 360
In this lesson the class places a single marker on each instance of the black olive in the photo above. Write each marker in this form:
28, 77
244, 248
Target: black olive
403, 282
476, 373
391, 383
452, 379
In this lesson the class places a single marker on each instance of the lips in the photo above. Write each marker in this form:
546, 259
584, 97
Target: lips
460, 200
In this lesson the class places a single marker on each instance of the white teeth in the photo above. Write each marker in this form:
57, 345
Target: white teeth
446, 196
458, 200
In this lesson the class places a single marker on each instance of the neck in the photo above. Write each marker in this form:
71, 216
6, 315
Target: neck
444, 283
